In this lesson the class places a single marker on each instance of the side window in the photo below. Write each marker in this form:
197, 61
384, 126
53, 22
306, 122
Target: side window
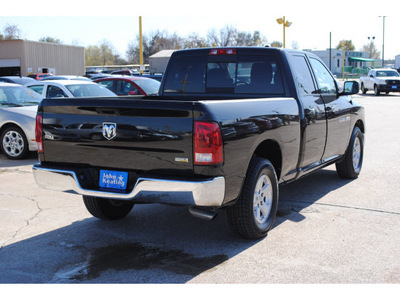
325, 81
55, 92
302, 76
129, 87
37, 88
124, 87
107, 84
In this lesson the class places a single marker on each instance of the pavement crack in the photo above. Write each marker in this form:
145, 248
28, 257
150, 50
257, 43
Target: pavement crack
27, 222
345, 206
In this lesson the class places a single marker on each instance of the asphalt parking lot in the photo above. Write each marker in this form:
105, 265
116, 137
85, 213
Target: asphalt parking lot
328, 230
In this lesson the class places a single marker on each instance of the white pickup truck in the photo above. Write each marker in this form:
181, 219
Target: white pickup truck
381, 80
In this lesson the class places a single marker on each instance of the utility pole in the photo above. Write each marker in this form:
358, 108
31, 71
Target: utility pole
140, 46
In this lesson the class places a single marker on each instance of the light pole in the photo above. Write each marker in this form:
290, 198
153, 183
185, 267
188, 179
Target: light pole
285, 24
383, 43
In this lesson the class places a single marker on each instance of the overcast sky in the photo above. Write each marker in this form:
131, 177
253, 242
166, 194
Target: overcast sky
89, 22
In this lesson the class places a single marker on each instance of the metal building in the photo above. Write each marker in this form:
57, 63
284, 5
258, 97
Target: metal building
158, 61
23, 58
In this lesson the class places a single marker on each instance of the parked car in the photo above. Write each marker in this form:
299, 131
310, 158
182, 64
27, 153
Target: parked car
66, 77
130, 85
157, 77
381, 80
101, 75
18, 106
17, 79
69, 88
123, 72
40, 76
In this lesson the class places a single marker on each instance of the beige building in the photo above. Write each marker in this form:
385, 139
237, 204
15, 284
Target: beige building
23, 58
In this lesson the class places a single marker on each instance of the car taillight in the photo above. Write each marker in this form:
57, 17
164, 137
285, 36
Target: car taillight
38, 132
208, 147
222, 52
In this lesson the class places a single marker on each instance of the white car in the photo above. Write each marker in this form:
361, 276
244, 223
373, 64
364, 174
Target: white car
18, 107
70, 89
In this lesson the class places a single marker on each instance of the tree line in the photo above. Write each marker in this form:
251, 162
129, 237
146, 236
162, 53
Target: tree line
105, 54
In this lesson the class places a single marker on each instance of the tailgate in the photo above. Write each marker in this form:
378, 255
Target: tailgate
119, 133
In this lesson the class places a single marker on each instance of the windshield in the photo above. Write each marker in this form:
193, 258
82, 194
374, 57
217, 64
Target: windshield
150, 86
89, 90
387, 73
13, 96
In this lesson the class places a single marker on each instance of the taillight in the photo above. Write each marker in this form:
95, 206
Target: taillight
208, 147
222, 52
38, 132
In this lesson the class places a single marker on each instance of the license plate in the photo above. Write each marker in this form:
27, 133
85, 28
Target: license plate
394, 87
113, 179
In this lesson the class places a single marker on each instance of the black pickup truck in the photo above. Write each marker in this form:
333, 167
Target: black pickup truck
228, 127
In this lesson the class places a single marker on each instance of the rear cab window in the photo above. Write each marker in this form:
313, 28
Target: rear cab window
225, 74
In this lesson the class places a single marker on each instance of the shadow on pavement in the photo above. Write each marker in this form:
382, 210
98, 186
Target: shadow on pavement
153, 244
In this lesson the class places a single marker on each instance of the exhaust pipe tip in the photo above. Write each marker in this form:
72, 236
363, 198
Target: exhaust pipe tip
202, 213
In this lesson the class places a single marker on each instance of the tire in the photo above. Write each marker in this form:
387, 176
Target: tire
14, 144
376, 90
350, 165
253, 215
107, 209
363, 89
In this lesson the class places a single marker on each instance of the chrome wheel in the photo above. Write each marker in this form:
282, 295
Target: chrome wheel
262, 201
356, 154
13, 143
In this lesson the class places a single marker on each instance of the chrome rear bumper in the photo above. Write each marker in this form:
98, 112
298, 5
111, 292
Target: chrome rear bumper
148, 190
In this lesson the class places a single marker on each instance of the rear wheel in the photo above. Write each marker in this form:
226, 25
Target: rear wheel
253, 215
14, 143
350, 166
107, 209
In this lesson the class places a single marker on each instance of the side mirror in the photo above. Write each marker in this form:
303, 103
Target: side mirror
350, 88
132, 93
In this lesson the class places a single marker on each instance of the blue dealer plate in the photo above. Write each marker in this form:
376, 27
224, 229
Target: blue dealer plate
394, 86
113, 179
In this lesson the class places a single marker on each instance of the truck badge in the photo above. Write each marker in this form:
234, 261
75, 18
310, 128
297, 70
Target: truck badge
109, 130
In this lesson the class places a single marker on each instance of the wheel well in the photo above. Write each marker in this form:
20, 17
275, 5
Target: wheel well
360, 124
271, 150
8, 125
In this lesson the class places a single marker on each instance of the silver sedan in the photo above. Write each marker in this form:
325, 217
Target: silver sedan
18, 107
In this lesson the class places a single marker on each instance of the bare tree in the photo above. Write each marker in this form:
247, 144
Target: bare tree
153, 43
225, 37
11, 32
372, 50
193, 40
162, 40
